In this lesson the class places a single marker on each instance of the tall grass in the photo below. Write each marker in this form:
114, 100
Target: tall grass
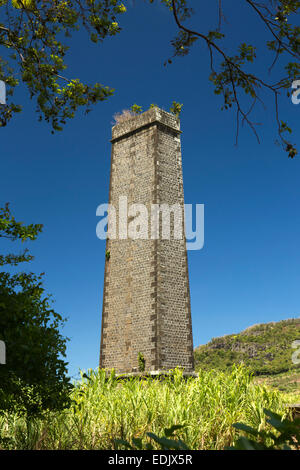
104, 410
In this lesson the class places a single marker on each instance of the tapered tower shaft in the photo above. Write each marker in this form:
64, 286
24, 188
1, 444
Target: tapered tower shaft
146, 302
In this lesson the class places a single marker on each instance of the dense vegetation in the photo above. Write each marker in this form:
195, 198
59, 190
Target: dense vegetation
266, 349
34, 377
105, 410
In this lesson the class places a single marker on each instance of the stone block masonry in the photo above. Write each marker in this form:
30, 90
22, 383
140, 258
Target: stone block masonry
146, 301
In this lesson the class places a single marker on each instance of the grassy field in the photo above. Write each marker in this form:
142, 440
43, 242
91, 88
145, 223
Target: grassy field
287, 382
105, 410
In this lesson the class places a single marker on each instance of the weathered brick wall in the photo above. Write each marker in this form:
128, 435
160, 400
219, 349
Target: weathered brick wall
146, 304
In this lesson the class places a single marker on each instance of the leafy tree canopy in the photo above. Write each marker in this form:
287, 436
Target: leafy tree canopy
234, 74
13, 230
33, 31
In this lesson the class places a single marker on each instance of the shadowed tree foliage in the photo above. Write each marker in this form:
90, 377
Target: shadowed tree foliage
34, 376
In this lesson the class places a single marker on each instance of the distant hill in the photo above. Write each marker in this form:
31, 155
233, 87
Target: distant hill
265, 348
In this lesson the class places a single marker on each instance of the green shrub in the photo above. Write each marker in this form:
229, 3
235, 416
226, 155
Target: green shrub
285, 436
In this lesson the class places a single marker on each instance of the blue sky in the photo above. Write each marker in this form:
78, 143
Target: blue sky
248, 270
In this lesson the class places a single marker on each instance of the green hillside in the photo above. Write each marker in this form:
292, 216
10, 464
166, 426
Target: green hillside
266, 349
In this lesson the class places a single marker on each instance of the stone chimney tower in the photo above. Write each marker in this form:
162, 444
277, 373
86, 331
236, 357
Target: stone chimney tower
146, 300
